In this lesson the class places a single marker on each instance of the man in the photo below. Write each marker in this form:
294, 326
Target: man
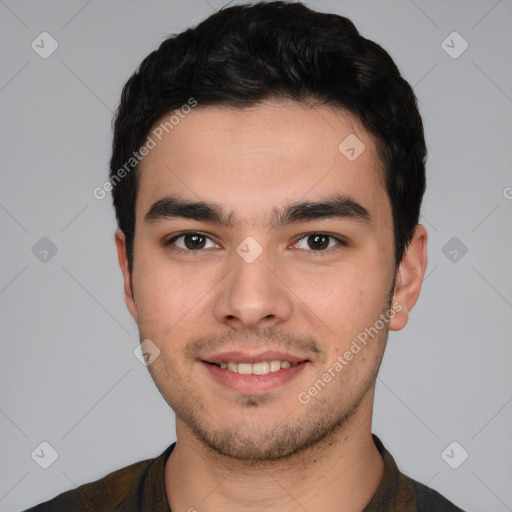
267, 175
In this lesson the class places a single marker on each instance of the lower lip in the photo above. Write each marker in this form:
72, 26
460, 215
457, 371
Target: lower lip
254, 383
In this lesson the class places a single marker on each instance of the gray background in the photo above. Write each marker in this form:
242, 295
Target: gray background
68, 373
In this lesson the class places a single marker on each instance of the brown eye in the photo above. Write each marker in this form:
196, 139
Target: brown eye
191, 241
194, 241
319, 242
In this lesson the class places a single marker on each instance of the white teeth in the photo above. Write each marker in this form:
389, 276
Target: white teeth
275, 366
261, 368
245, 368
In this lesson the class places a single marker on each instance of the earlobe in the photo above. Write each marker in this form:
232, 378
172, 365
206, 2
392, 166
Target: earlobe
122, 257
409, 278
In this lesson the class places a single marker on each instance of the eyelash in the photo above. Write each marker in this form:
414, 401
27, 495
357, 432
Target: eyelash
341, 242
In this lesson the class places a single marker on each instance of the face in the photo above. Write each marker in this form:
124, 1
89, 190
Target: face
278, 291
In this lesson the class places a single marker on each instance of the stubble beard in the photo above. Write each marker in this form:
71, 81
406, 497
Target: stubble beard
265, 443
318, 426
248, 442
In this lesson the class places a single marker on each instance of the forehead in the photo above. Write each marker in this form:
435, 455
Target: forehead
258, 158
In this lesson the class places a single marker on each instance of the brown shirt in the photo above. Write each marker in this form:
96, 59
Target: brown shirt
141, 488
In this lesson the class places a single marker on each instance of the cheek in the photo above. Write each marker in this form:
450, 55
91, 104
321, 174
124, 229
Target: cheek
344, 301
160, 298
170, 298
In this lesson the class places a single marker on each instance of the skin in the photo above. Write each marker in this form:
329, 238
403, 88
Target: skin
240, 450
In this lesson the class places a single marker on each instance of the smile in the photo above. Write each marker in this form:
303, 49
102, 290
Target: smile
260, 368
254, 377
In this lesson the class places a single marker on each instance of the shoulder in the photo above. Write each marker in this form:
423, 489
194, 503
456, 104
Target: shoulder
399, 492
123, 489
429, 500
105, 491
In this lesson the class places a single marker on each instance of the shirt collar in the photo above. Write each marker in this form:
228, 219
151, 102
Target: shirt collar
393, 491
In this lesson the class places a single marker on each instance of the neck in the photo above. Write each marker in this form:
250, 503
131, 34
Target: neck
341, 473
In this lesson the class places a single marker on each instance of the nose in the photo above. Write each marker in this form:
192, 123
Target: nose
254, 294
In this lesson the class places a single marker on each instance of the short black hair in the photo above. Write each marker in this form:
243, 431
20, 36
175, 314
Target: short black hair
245, 54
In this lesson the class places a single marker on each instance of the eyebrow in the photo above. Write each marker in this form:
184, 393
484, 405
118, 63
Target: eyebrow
336, 206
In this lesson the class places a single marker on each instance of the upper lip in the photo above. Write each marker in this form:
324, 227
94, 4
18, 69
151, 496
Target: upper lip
244, 357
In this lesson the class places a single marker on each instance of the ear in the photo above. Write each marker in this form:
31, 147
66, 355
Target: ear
409, 278
127, 278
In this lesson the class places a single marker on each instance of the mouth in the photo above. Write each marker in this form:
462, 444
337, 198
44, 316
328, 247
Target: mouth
254, 374
259, 368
